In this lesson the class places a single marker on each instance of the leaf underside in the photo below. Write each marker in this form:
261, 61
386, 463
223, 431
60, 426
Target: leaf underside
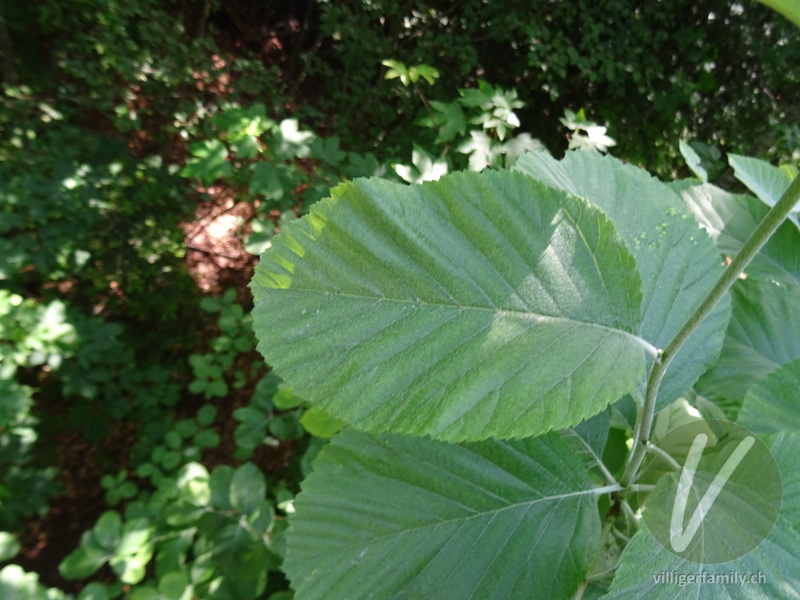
644, 560
478, 306
730, 219
766, 181
773, 404
764, 333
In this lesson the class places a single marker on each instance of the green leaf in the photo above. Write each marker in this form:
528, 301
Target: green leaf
134, 551
248, 488
144, 593
181, 513
131, 568
209, 162
94, 591
175, 586
729, 219
396, 70
483, 97
363, 165
286, 426
327, 150
594, 433
250, 576
267, 180
208, 438
83, 562
773, 404
693, 160
450, 119
107, 532
220, 485
319, 423
247, 147
481, 305
774, 562
210, 304
765, 181
788, 8
764, 333
253, 428
184, 428
9, 546
217, 388
284, 399
427, 72
677, 262
206, 415
785, 447
392, 516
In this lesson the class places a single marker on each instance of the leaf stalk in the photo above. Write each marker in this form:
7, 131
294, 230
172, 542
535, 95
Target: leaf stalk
760, 236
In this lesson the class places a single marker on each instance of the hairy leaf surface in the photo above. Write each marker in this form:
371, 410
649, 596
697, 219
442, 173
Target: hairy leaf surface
773, 404
785, 447
475, 306
764, 333
391, 516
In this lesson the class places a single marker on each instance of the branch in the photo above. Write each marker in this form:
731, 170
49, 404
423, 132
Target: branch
757, 239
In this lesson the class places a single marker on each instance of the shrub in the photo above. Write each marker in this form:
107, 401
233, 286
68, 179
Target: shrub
500, 345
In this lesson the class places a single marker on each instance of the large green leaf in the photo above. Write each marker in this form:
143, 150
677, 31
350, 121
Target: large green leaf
773, 563
479, 305
785, 447
773, 404
765, 181
677, 262
730, 219
763, 334
392, 516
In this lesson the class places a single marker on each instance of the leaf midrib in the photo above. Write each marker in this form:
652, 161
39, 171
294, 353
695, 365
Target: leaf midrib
499, 311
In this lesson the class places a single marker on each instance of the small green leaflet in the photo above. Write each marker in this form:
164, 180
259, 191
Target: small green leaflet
481, 305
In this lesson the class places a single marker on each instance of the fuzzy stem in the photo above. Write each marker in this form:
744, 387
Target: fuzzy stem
757, 239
